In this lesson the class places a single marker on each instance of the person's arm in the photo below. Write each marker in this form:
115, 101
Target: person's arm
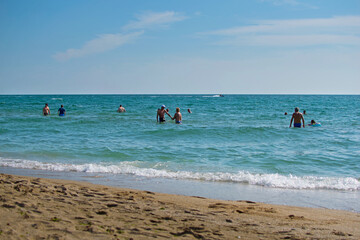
303, 120
157, 116
168, 114
49, 111
292, 118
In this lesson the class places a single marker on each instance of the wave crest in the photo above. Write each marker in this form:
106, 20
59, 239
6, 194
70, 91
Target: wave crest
266, 180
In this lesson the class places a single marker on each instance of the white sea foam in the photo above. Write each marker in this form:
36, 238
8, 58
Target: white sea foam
216, 95
57, 99
267, 180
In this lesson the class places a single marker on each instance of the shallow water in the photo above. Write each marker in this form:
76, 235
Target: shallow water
237, 138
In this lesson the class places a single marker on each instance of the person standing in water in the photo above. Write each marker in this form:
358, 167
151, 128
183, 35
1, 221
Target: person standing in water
62, 111
46, 110
297, 117
121, 109
177, 116
160, 116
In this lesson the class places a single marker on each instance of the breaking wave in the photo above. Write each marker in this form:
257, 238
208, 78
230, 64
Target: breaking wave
267, 180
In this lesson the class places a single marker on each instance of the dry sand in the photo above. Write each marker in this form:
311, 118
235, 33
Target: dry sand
35, 208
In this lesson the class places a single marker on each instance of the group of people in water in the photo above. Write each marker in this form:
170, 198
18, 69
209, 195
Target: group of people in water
61, 111
297, 116
160, 117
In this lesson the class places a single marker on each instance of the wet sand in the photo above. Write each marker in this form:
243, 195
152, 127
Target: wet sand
37, 208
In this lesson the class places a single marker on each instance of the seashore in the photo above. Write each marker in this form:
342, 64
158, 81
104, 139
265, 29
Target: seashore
39, 208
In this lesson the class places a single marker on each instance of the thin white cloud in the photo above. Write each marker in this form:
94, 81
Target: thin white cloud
292, 40
282, 2
108, 42
336, 30
294, 3
154, 19
100, 44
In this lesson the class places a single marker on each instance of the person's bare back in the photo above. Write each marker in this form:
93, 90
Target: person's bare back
297, 117
177, 116
121, 109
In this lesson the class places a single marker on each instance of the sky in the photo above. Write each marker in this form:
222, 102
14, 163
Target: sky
180, 47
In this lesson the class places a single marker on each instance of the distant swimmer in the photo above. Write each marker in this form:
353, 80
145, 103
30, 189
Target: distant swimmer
62, 111
177, 116
46, 110
285, 113
297, 117
121, 109
189, 111
304, 112
160, 116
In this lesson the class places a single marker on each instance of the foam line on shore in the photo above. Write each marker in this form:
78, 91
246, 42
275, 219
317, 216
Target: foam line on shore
273, 180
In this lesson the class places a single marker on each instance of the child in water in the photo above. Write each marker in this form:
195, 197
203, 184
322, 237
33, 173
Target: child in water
177, 116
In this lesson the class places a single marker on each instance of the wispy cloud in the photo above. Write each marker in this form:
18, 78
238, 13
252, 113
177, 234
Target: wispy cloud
295, 32
282, 2
100, 44
154, 19
290, 3
132, 31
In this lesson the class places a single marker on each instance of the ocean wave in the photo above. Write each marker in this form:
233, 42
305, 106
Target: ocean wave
216, 95
57, 99
267, 180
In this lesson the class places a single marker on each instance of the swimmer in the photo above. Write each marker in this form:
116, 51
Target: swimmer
297, 117
62, 111
177, 116
304, 112
189, 111
285, 113
314, 124
46, 110
121, 109
160, 116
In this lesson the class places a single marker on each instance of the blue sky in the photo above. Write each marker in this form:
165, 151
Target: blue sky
162, 46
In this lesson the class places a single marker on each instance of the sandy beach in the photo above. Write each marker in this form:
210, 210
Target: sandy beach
37, 208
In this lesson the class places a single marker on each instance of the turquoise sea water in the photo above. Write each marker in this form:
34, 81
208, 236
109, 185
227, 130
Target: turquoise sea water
241, 139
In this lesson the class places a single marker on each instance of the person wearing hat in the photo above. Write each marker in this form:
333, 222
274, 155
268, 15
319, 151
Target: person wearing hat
160, 117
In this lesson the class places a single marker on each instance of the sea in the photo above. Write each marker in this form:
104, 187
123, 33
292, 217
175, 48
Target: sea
235, 147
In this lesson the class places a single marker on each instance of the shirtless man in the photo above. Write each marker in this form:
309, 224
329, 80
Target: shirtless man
177, 116
121, 109
160, 116
297, 117
46, 110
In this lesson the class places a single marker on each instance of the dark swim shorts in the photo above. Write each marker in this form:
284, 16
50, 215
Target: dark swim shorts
297, 125
162, 119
